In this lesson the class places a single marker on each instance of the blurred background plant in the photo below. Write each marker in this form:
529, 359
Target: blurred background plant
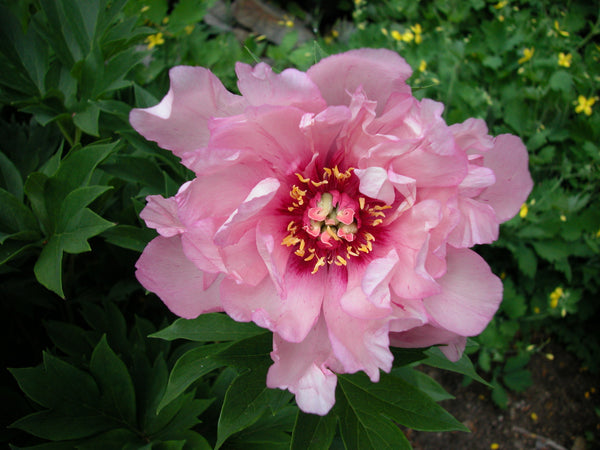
74, 175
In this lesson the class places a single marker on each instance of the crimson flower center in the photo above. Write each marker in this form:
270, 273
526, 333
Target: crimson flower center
331, 222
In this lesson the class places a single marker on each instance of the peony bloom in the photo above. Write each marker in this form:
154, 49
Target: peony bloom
331, 207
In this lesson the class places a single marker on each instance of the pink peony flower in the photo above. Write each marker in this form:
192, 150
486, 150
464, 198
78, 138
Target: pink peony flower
331, 207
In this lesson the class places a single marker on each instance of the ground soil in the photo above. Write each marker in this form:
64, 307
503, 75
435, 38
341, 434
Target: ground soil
555, 413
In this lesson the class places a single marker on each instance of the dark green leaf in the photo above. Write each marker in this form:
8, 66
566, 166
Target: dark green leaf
130, 237
58, 426
207, 328
312, 432
114, 381
463, 365
423, 382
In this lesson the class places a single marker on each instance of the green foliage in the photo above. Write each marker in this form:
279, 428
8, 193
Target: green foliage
74, 175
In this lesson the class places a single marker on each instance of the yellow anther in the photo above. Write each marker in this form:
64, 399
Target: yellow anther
376, 222
379, 208
320, 262
290, 240
301, 178
361, 202
292, 226
319, 183
300, 251
351, 251
311, 256
369, 236
340, 261
376, 213
332, 233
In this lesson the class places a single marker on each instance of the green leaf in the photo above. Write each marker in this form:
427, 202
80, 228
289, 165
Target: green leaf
48, 267
57, 426
87, 119
423, 382
208, 328
190, 366
561, 80
393, 398
188, 12
14, 215
129, 237
463, 365
114, 381
245, 401
10, 177
313, 432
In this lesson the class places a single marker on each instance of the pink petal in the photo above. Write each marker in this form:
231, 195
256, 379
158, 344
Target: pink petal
240, 220
472, 136
510, 162
478, 224
161, 214
302, 369
164, 270
380, 72
291, 313
260, 86
452, 344
242, 262
179, 122
470, 294
374, 182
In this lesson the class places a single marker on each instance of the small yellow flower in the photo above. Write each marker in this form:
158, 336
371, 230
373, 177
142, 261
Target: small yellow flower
549, 356
188, 29
524, 210
598, 234
385, 32
501, 18
536, 310
165, 20
555, 297
408, 36
144, 9
563, 218
527, 55
584, 105
155, 39
501, 4
564, 60
417, 30
422, 65
558, 30
335, 33
534, 416
396, 35
494, 446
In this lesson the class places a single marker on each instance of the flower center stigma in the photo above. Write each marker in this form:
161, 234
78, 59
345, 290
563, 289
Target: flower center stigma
331, 222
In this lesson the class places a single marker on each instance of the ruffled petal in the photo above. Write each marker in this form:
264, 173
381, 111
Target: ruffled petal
477, 225
452, 344
470, 294
302, 368
161, 214
510, 162
380, 72
179, 122
260, 86
164, 270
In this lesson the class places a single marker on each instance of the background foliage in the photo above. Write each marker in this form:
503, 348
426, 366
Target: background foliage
74, 175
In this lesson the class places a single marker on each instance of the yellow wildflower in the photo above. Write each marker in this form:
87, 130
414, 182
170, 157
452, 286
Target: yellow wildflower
563, 218
422, 66
417, 30
165, 20
335, 33
534, 416
584, 105
555, 296
385, 32
188, 29
155, 39
501, 4
408, 36
549, 356
527, 55
536, 310
565, 60
144, 9
598, 234
524, 210
495, 446
558, 30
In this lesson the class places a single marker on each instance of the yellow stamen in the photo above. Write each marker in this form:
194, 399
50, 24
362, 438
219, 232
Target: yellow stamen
300, 251
301, 178
351, 251
361, 202
340, 261
376, 222
369, 236
320, 262
319, 183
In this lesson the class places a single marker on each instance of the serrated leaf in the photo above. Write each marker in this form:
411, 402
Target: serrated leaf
463, 365
114, 381
208, 328
190, 366
313, 432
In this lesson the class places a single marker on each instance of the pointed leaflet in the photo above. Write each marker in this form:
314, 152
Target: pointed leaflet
371, 407
463, 366
114, 381
313, 432
207, 328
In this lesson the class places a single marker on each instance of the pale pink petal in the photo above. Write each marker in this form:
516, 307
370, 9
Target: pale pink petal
179, 122
161, 214
472, 136
477, 225
164, 270
242, 261
260, 86
429, 169
240, 220
323, 128
269, 134
302, 368
470, 294
291, 313
374, 182
380, 72
510, 162
376, 278
451, 344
